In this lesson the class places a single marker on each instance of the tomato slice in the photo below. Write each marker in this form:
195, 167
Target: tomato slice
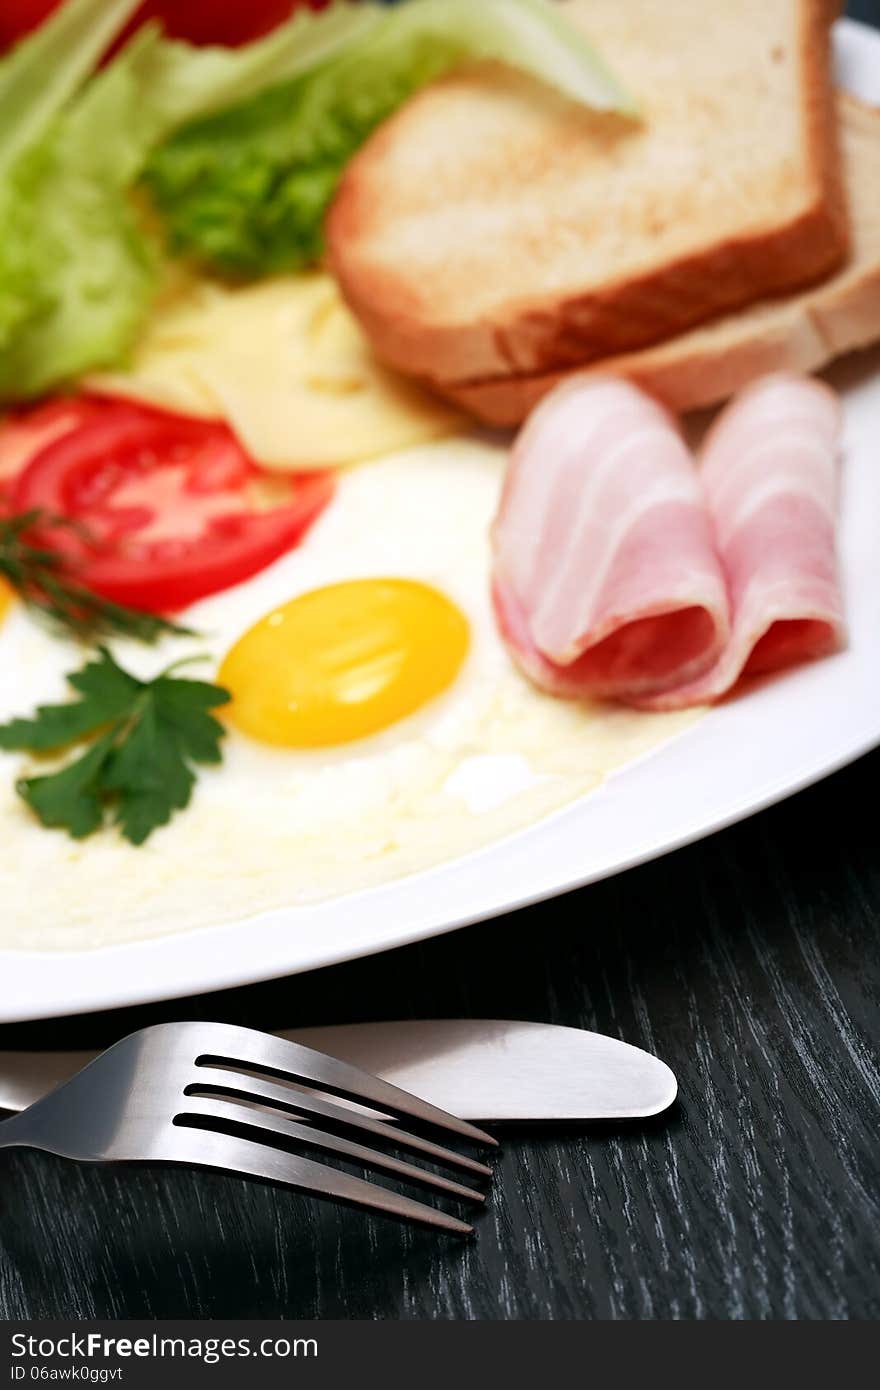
199, 21
165, 508
24, 432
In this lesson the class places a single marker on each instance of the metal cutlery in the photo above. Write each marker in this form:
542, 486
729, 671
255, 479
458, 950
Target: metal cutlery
479, 1069
210, 1095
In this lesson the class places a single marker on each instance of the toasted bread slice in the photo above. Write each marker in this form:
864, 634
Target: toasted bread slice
491, 227
802, 332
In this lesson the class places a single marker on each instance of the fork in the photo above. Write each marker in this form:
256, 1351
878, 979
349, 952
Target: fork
209, 1095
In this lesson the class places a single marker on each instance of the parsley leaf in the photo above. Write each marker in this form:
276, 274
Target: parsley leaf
71, 799
108, 693
138, 771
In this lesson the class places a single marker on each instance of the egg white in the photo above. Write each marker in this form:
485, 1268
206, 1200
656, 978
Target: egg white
270, 827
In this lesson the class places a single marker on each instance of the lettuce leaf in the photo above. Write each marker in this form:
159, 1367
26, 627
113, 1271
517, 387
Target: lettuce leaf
246, 191
97, 268
78, 268
533, 35
41, 73
36, 80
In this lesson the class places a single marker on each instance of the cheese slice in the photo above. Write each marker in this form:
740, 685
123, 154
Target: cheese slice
286, 365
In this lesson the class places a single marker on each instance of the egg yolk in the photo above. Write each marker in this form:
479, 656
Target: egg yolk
5, 598
343, 662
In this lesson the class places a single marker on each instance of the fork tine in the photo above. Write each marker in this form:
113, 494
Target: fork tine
242, 1156
243, 1047
244, 1087
220, 1108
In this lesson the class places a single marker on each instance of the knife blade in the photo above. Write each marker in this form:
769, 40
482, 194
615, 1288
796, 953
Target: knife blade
478, 1069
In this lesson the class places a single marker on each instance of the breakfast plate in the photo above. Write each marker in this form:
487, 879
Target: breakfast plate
774, 738
771, 741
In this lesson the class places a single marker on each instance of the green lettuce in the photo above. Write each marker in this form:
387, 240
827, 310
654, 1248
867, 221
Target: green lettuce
36, 80
77, 267
245, 192
43, 72
97, 268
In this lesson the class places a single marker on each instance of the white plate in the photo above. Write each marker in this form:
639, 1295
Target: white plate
746, 755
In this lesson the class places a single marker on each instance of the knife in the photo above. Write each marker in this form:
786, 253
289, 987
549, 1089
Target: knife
478, 1069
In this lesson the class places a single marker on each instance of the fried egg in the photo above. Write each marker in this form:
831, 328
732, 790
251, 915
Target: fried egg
343, 662
377, 726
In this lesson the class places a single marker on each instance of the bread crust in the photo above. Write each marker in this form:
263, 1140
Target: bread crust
801, 333
681, 380
535, 335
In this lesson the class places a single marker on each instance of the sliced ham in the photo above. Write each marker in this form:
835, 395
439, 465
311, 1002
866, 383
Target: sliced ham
769, 469
622, 571
607, 580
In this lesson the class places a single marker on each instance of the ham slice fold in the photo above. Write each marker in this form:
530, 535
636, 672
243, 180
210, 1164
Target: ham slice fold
769, 470
607, 581
620, 571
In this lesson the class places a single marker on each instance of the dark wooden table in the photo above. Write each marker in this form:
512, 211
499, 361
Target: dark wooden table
750, 962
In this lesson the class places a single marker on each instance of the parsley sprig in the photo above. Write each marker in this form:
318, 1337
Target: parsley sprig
44, 581
145, 738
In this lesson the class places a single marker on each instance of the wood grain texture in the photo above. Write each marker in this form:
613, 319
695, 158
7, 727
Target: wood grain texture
750, 962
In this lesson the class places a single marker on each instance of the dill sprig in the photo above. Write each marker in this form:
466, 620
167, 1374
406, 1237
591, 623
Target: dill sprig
44, 581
